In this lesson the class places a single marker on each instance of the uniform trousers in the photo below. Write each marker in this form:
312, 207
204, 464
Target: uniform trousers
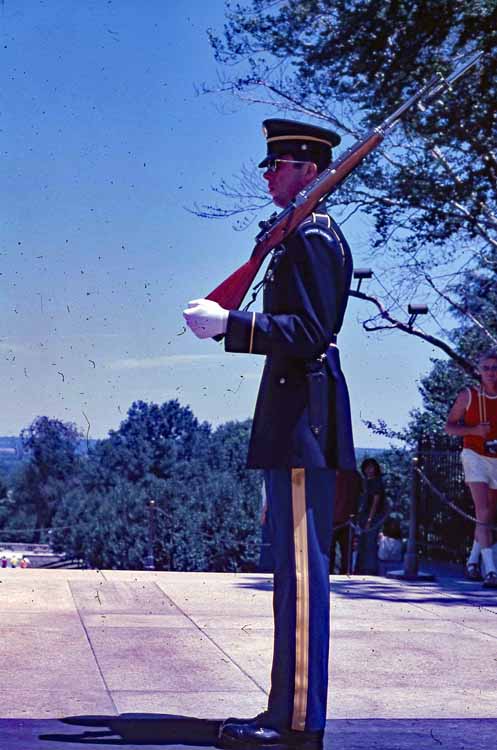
300, 514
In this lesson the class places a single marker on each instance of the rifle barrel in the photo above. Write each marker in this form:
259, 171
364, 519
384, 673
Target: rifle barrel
435, 86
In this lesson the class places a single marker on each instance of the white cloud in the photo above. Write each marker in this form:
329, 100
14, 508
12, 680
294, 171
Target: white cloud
166, 361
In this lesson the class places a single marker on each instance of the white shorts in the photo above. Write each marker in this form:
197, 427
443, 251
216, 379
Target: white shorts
479, 468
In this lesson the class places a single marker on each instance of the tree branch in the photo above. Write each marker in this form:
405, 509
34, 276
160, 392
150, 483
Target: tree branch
465, 364
460, 308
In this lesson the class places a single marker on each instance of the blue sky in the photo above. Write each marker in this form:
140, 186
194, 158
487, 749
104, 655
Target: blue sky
105, 144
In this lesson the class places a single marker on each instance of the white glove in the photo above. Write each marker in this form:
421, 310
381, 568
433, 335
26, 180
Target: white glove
206, 318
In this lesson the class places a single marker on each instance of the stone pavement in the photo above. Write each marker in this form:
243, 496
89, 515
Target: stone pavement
144, 659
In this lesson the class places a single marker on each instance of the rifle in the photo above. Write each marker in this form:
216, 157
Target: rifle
230, 293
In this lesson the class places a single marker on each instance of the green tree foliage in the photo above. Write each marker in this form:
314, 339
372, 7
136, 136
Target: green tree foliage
206, 502
11, 516
153, 441
232, 521
396, 468
3, 488
51, 464
105, 529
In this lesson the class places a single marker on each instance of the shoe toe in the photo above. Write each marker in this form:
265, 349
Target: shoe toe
258, 737
473, 572
234, 721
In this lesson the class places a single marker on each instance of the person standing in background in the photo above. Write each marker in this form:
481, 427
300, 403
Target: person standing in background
372, 507
473, 417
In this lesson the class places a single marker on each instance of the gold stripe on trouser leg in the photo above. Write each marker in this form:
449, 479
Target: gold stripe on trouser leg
302, 604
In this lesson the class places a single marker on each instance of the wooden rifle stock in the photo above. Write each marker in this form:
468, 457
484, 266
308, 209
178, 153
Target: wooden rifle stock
230, 293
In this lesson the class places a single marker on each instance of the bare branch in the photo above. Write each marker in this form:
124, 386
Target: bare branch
440, 157
475, 223
460, 308
300, 107
465, 364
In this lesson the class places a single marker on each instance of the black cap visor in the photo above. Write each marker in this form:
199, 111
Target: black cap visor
268, 159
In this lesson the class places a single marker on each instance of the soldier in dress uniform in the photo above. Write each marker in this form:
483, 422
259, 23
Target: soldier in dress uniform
301, 434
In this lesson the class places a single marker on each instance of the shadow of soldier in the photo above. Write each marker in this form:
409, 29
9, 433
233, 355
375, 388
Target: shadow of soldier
148, 731
139, 729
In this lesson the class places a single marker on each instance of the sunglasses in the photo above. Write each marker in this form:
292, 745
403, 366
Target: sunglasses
273, 164
488, 368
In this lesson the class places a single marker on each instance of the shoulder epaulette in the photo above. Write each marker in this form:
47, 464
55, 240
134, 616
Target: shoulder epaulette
317, 218
316, 223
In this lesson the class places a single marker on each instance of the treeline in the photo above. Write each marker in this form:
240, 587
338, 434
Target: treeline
94, 506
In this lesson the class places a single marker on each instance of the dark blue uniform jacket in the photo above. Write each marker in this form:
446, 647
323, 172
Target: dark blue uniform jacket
302, 416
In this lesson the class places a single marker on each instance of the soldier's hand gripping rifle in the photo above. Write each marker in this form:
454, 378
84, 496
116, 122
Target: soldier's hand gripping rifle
231, 292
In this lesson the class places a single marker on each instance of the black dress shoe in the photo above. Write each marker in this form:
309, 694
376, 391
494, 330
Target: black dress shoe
490, 580
254, 735
259, 719
472, 572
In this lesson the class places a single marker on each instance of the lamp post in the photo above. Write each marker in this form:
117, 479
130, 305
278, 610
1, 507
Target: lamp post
411, 570
360, 274
411, 556
414, 310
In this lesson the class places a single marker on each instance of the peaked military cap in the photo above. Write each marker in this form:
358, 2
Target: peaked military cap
304, 142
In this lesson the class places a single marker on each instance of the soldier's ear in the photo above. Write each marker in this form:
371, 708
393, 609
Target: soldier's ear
310, 170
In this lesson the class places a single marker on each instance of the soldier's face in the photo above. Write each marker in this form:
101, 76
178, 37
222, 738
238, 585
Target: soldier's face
288, 178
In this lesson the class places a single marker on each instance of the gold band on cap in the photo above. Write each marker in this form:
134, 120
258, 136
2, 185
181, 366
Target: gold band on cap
299, 138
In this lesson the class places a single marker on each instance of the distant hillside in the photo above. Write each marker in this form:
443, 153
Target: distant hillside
11, 450
11, 447
362, 453
9, 442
